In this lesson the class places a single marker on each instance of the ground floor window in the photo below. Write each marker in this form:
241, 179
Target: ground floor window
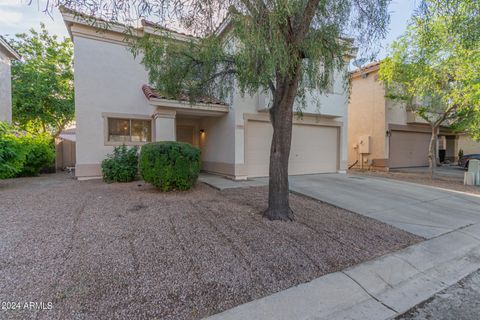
129, 130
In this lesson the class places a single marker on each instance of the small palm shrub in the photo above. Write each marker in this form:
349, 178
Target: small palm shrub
121, 165
170, 165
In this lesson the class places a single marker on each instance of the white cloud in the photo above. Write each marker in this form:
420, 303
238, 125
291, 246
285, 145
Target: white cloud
21, 17
12, 3
9, 17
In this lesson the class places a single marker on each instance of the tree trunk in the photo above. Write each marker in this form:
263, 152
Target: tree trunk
281, 116
432, 151
278, 191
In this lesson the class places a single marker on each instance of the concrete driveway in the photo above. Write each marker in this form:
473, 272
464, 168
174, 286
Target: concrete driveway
419, 209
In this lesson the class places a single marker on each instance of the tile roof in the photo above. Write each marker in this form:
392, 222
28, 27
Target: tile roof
372, 66
151, 93
13, 53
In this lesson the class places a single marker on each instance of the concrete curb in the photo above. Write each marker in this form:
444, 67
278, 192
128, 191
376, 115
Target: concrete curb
382, 288
222, 183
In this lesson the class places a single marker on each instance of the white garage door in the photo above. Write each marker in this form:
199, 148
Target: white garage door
314, 149
408, 149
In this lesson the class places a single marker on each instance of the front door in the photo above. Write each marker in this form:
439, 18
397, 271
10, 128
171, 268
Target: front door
185, 134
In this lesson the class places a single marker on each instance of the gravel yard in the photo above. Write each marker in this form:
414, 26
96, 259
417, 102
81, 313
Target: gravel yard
127, 251
440, 181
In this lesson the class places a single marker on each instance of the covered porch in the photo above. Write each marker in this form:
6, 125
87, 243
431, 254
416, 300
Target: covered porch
203, 124
180, 120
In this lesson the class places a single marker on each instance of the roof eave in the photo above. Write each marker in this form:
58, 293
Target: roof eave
12, 53
71, 17
373, 67
186, 107
170, 34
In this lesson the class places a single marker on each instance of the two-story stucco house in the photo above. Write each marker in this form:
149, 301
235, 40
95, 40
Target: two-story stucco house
114, 105
7, 54
382, 134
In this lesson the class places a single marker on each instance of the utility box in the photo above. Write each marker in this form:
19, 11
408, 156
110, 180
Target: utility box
364, 144
472, 177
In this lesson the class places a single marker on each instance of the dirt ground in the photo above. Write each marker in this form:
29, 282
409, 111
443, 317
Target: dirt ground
90, 250
440, 181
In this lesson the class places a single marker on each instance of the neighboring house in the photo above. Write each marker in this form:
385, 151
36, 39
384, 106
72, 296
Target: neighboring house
7, 54
382, 134
114, 105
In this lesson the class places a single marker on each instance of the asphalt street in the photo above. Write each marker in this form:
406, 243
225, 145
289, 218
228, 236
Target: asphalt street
461, 302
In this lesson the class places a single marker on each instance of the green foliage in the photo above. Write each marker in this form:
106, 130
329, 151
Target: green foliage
23, 154
170, 165
264, 48
12, 152
42, 82
121, 166
460, 154
435, 66
40, 154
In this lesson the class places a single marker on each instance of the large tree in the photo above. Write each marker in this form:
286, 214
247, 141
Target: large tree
42, 82
286, 47
434, 68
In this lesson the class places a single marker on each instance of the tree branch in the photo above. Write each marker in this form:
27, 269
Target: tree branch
304, 24
216, 75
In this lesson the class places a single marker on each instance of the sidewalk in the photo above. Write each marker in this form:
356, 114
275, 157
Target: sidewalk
379, 289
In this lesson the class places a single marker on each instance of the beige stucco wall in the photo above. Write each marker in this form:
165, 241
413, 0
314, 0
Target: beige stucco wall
107, 80
367, 117
467, 145
396, 112
5, 87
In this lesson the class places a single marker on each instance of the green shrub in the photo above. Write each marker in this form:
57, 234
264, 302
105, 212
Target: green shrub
121, 166
40, 154
12, 152
23, 154
170, 165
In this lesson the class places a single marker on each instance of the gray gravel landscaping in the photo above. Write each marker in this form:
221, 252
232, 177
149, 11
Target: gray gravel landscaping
126, 251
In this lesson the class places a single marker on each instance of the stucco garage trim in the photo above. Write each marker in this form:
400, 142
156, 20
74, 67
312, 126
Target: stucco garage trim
418, 128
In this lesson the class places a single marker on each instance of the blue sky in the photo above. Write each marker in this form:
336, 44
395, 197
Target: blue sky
16, 17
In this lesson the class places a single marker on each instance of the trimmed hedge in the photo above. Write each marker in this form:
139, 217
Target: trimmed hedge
170, 165
121, 166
